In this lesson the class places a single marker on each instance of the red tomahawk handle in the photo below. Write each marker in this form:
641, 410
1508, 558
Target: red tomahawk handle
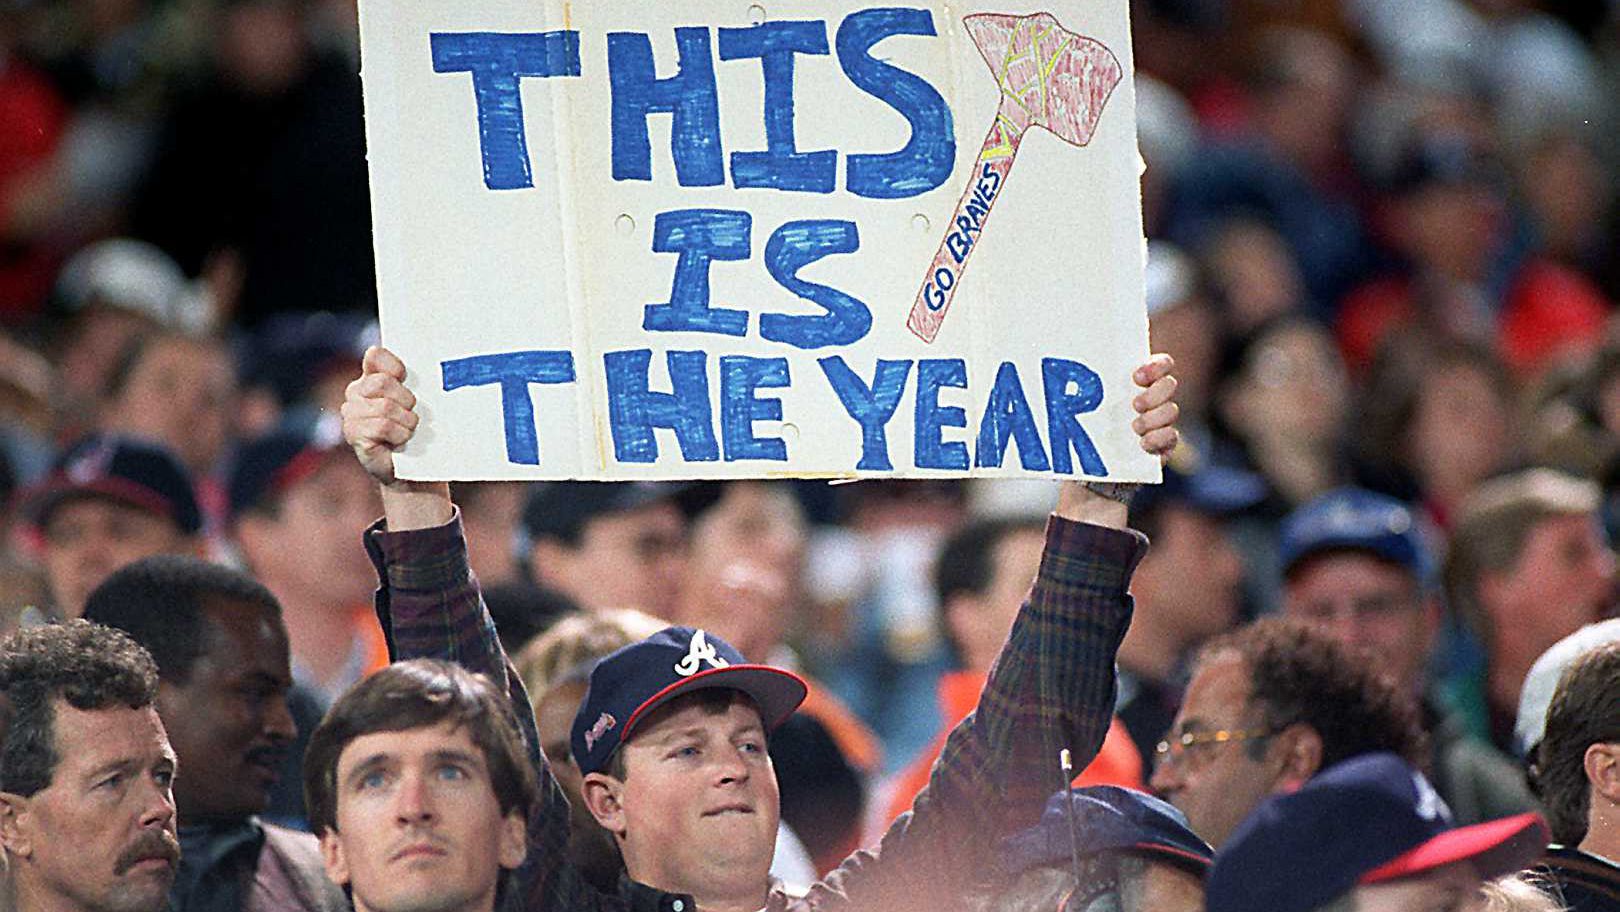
962, 235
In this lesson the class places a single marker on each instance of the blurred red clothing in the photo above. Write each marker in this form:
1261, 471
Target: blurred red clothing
1549, 314
32, 118
1118, 763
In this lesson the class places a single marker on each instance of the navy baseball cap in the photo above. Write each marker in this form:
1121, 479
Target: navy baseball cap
631, 682
1354, 519
133, 472
1369, 819
1108, 818
280, 459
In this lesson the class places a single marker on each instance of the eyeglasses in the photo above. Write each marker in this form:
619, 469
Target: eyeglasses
1194, 744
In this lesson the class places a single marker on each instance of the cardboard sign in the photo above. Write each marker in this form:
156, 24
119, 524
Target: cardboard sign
721, 240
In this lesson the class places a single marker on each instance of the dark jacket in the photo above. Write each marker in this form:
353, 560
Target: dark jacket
1580, 880
248, 866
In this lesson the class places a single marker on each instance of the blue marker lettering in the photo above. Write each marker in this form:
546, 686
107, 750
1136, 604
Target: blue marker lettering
740, 376
930, 450
690, 95
497, 61
871, 406
780, 166
929, 156
1006, 417
794, 246
514, 371
1072, 389
634, 409
699, 236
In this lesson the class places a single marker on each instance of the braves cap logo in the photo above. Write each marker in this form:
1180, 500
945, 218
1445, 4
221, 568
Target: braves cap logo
91, 464
604, 724
1430, 805
698, 652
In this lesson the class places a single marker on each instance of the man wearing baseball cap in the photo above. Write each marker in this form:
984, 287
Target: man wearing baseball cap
108, 502
1358, 565
1102, 849
296, 501
672, 733
1371, 835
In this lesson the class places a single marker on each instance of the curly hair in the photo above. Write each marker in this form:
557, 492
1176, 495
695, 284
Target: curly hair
1585, 710
88, 666
1298, 674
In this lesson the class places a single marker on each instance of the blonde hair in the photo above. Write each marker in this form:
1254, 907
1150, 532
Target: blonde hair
1519, 892
575, 640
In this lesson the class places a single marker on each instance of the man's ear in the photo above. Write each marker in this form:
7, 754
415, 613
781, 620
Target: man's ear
14, 819
1602, 763
514, 845
332, 854
1301, 747
603, 795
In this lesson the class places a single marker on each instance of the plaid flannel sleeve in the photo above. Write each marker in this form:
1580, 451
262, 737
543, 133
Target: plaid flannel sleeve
430, 607
1051, 688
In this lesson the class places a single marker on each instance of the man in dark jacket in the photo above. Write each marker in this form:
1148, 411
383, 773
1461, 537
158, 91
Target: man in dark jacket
686, 787
1356, 564
221, 652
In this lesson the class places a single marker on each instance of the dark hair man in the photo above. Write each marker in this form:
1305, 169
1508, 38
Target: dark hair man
1357, 565
1102, 849
107, 502
86, 808
1268, 707
1368, 835
981, 577
707, 843
419, 784
1577, 772
607, 545
223, 682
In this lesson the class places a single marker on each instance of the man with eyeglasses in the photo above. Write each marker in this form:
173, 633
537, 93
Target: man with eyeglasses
1268, 706
1357, 565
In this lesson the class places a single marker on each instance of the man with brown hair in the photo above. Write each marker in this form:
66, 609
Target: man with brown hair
1528, 565
86, 773
1268, 707
1577, 771
419, 785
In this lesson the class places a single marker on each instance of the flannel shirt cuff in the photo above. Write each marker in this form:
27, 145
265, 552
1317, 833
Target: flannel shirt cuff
420, 560
1097, 556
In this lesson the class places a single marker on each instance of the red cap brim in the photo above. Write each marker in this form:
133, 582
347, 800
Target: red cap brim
1495, 847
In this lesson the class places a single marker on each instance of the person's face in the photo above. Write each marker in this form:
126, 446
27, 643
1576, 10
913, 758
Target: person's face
87, 538
1452, 888
306, 553
101, 836
181, 394
1563, 580
634, 559
229, 722
588, 843
1217, 784
1460, 431
982, 621
1194, 546
1369, 604
697, 811
419, 828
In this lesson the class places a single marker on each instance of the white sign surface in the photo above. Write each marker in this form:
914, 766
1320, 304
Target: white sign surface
718, 240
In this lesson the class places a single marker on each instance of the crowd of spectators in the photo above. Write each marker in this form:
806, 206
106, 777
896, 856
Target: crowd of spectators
1382, 251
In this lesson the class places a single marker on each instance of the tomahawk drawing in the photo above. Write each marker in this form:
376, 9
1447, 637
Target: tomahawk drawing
1049, 77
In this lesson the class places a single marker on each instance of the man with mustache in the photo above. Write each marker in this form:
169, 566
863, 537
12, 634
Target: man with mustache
223, 677
86, 773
